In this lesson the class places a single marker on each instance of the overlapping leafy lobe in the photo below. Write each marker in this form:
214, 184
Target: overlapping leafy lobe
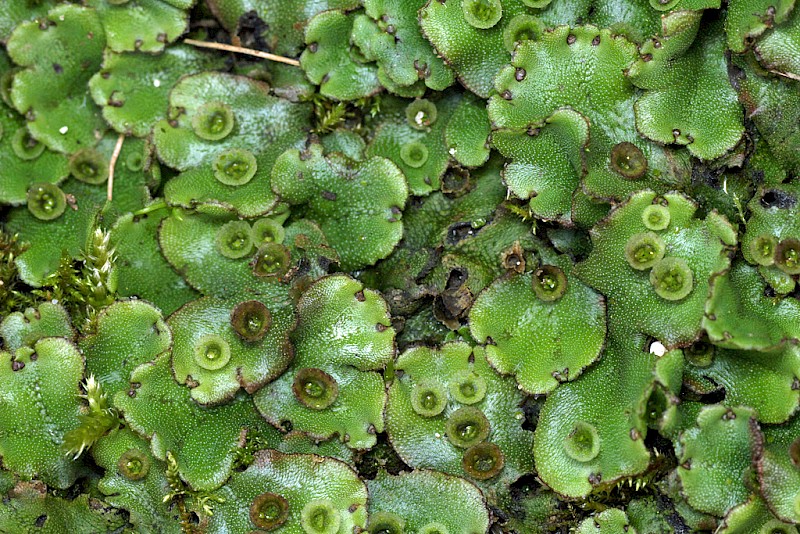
124, 335
630, 293
276, 26
423, 497
144, 497
142, 25
32, 509
400, 48
475, 54
747, 19
713, 458
547, 168
48, 238
611, 399
580, 68
740, 316
691, 102
609, 521
467, 132
763, 380
252, 363
189, 243
753, 516
540, 343
21, 329
258, 118
357, 204
779, 50
200, 189
141, 269
422, 441
201, 439
774, 106
60, 54
18, 174
39, 405
343, 330
300, 479
777, 465
133, 89
14, 12
393, 137
331, 62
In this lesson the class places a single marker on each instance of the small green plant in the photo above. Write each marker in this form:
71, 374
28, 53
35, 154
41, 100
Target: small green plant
385, 266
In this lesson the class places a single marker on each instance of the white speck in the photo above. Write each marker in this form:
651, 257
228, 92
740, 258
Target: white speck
63, 130
519, 416
453, 151
519, 386
61, 18
156, 83
438, 436
658, 348
419, 117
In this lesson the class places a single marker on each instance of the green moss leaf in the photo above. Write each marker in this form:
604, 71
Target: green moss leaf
301, 479
476, 55
124, 335
258, 118
713, 458
581, 68
467, 132
747, 19
40, 405
712, 124
765, 381
252, 363
189, 243
142, 25
201, 439
329, 60
591, 431
277, 27
774, 106
422, 441
21, 329
141, 269
423, 497
60, 53
740, 316
343, 330
14, 12
199, 188
611, 521
143, 497
630, 293
776, 463
541, 343
547, 166
778, 50
394, 138
753, 516
17, 174
357, 204
133, 89
32, 509
401, 49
